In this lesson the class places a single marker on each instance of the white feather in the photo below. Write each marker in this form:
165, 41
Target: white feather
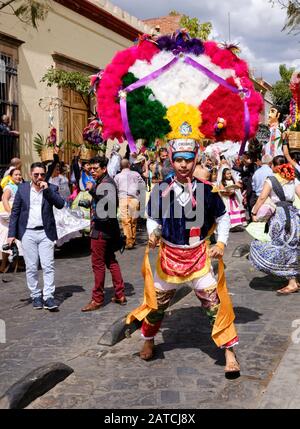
181, 83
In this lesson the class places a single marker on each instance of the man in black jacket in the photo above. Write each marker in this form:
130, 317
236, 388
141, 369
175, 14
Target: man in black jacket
105, 234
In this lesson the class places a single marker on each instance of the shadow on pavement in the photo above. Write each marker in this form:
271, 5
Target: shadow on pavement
188, 328
109, 293
269, 282
64, 292
76, 248
245, 315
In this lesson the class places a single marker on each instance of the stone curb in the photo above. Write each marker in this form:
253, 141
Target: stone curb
283, 390
34, 384
118, 331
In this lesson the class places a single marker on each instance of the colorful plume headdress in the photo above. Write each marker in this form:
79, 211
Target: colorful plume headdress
159, 88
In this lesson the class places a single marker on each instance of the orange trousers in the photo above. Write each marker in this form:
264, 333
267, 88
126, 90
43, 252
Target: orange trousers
129, 215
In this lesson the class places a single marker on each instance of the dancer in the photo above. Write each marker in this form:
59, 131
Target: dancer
184, 256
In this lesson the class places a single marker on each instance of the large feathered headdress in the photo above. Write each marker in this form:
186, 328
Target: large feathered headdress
177, 87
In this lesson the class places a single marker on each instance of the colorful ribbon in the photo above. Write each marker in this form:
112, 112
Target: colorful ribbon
157, 73
223, 82
233, 204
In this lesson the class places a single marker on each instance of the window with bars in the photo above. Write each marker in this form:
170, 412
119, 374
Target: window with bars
9, 144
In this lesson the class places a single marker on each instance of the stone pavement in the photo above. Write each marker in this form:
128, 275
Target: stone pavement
188, 369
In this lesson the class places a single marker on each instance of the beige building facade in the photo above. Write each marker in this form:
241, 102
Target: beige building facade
80, 35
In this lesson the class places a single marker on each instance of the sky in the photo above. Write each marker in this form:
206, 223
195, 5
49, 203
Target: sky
254, 25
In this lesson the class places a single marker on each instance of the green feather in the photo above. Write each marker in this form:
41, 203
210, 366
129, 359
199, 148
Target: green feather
146, 117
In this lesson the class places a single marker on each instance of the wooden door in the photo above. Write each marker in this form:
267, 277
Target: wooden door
75, 119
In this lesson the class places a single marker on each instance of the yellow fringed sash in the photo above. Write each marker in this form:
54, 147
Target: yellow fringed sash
149, 302
223, 329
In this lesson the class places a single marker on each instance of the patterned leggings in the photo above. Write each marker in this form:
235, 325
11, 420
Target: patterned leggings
209, 300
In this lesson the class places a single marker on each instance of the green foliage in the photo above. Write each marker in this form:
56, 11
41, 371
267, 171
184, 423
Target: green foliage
97, 147
195, 27
38, 143
146, 115
28, 11
174, 13
295, 127
293, 17
281, 93
76, 81
292, 7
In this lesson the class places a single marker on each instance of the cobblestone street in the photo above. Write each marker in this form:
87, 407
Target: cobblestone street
187, 371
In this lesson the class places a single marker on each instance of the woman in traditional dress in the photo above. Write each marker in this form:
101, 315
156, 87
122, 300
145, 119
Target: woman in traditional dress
280, 256
232, 199
9, 192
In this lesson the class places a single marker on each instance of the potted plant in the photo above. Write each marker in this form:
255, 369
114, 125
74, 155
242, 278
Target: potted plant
93, 141
294, 136
45, 146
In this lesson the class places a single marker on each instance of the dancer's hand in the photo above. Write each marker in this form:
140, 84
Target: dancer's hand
216, 252
153, 240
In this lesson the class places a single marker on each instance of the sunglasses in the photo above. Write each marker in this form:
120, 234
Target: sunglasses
36, 175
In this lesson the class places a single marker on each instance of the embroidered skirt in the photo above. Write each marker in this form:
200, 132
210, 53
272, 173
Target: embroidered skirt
280, 256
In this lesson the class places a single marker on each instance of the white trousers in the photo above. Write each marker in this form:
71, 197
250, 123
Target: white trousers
201, 283
37, 247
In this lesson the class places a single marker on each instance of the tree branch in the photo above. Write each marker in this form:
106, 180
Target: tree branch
6, 3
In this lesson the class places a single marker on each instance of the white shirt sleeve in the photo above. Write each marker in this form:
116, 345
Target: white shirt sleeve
152, 225
223, 227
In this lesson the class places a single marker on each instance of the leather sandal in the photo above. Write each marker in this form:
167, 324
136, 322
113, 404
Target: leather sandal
121, 301
147, 351
92, 306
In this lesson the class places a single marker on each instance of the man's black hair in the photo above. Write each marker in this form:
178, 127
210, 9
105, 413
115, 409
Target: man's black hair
162, 149
279, 110
251, 155
38, 165
101, 160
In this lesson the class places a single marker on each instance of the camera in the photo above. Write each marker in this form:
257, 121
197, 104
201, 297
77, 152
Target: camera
84, 203
14, 251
